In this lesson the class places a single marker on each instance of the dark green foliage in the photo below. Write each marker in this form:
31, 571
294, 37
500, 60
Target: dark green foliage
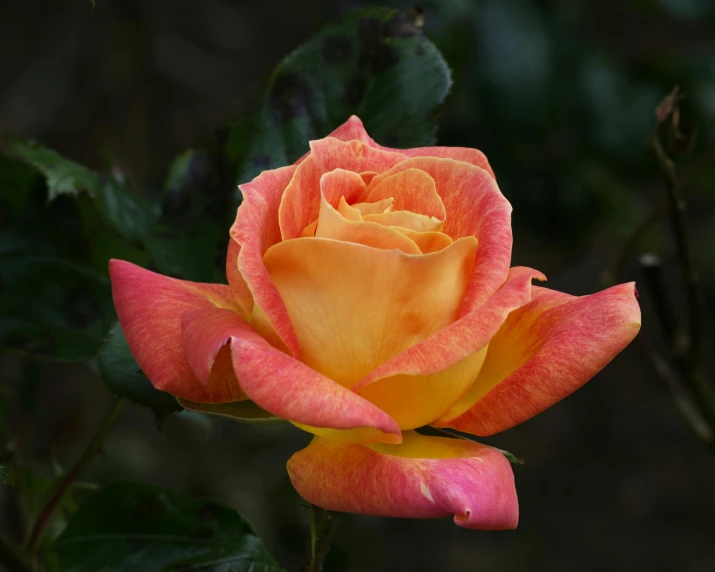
133, 527
372, 63
128, 213
122, 375
52, 307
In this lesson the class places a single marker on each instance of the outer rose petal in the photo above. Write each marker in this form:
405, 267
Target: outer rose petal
275, 381
354, 129
255, 230
353, 307
149, 307
301, 201
235, 280
543, 352
475, 207
424, 477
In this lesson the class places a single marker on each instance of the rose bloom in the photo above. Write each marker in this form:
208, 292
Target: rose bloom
370, 294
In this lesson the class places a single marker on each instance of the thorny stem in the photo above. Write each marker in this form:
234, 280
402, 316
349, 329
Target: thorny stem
60, 487
322, 527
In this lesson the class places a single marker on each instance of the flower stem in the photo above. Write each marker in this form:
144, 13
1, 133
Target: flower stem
322, 527
693, 377
60, 487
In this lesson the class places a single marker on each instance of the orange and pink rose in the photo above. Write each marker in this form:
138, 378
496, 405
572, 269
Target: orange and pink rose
370, 294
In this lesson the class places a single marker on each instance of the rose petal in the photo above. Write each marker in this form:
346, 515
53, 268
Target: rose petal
379, 207
412, 190
353, 307
426, 241
417, 400
543, 352
475, 207
255, 230
332, 224
236, 282
354, 129
460, 339
424, 477
405, 219
301, 201
149, 307
275, 381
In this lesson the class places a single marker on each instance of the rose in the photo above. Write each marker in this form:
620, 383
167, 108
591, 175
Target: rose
370, 294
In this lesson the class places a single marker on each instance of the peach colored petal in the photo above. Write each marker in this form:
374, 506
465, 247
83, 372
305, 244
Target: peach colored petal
379, 207
354, 307
417, 400
301, 200
235, 280
405, 219
341, 184
475, 207
460, 339
255, 230
544, 351
424, 477
368, 176
426, 241
354, 129
362, 435
149, 307
412, 190
276, 382
332, 224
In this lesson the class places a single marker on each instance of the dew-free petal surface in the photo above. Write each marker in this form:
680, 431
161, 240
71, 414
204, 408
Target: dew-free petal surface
149, 307
544, 351
354, 307
475, 207
276, 382
255, 230
424, 477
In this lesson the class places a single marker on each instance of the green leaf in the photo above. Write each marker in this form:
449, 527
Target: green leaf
131, 527
240, 410
52, 307
122, 376
374, 63
128, 213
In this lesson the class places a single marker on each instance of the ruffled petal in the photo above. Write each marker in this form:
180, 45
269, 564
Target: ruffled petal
301, 201
236, 282
276, 382
475, 207
255, 230
354, 129
354, 307
544, 351
463, 338
424, 477
149, 307
332, 224
426, 241
412, 190
405, 219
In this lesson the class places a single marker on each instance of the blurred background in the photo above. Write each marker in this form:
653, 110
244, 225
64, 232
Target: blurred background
560, 95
